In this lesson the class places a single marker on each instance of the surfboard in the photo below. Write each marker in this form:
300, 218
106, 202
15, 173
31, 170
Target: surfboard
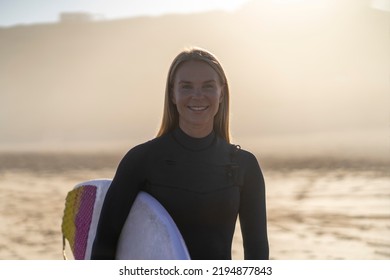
149, 232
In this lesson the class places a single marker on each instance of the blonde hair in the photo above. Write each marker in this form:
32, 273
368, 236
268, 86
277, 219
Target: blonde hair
170, 120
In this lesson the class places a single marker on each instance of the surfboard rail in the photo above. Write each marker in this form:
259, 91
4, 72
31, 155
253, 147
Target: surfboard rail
149, 232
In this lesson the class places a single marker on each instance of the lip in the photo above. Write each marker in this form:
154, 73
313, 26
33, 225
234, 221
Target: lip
198, 108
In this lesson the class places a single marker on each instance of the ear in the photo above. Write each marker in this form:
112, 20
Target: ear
222, 94
173, 98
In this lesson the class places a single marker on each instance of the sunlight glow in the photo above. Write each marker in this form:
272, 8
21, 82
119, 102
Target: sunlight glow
148, 7
383, 5
287, 1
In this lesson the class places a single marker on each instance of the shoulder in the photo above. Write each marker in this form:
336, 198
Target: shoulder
247, 159
237, 153
250, 168
244, 154
141, 151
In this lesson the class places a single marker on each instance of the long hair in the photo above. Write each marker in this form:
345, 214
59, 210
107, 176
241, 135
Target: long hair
170, 119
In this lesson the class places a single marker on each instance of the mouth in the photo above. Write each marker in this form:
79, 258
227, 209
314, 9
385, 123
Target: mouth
198, 108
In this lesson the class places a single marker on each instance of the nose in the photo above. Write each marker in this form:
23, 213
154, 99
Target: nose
198, 92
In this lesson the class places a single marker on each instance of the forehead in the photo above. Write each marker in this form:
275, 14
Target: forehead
195, 70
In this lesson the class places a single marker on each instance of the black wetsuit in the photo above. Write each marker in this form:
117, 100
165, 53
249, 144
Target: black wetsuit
204, 183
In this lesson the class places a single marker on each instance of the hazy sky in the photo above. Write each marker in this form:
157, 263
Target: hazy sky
312, 75
14, 12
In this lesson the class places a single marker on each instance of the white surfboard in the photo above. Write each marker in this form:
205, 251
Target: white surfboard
149, 232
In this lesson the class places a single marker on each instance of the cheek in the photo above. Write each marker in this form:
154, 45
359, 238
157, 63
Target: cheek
178, 99
218, 98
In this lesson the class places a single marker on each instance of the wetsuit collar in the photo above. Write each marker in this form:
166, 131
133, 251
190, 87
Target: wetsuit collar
192, 143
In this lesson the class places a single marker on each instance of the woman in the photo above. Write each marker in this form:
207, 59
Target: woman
191, 168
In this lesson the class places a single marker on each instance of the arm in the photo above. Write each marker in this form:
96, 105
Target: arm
253, 218
120, 196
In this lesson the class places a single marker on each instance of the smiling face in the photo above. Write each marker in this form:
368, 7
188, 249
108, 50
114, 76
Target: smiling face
197, 93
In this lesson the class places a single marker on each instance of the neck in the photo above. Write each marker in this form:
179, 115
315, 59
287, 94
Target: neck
196, 131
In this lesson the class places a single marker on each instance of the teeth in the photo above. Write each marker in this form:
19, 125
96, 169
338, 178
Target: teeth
198, 108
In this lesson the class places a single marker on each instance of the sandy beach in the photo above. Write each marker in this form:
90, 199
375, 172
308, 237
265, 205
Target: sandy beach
317, 208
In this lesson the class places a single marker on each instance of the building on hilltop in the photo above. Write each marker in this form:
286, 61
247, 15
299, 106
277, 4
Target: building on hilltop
73, 17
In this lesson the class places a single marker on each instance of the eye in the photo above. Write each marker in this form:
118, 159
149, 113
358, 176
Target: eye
208, 86
186, 86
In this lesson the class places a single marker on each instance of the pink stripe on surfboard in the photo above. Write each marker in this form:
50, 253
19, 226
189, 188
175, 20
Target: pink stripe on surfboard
83, 220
